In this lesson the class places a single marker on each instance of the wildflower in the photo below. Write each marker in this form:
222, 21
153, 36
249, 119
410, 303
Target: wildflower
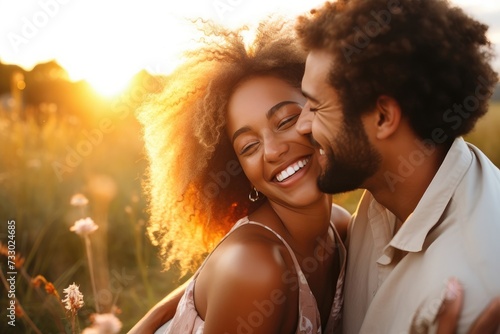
51, 290
84, 227
38, 280
18, 259
106, 323
19, 311
79, 200
74, 298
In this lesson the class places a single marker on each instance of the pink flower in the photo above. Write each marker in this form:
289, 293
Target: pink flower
79, 200
106, 323
74, 298
84, 227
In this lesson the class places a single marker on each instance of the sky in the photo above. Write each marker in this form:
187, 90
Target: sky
107, 41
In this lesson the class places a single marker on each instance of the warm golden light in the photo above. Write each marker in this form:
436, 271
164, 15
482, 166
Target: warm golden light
93, 43
107, 82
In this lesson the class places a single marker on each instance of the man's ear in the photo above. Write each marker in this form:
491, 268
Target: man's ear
388, 116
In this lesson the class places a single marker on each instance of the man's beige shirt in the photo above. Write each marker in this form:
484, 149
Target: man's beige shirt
396, 283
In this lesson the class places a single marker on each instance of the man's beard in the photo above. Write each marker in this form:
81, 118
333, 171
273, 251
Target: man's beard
351, 161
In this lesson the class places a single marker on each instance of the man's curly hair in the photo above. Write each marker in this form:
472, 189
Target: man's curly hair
431, 57
195, 185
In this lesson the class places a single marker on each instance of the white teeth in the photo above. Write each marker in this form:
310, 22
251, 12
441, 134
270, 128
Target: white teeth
290, 170
321, 151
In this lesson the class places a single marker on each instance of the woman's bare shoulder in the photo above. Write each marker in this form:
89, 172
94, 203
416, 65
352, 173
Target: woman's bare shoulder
248, 266
251, 249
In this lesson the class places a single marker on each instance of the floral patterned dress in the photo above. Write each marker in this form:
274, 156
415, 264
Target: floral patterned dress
187, 320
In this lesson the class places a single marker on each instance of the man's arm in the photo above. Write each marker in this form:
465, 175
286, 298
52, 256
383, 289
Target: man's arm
160, 313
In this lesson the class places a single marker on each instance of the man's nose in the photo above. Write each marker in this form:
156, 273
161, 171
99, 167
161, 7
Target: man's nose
304, 123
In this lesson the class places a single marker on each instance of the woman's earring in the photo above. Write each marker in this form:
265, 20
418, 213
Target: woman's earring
254, 195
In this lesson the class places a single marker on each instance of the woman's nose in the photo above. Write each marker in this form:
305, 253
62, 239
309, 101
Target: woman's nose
274, 148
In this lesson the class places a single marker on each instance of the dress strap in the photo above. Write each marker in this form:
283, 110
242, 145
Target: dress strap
246, 221
300, 274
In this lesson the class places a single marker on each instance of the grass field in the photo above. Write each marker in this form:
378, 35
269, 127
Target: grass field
42, 165
486, 134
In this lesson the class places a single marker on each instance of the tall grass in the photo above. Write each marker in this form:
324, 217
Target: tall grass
35, 194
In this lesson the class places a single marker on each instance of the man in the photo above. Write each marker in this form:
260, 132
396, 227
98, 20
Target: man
391, 88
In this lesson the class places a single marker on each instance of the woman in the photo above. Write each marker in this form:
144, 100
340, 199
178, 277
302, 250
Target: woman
225, 154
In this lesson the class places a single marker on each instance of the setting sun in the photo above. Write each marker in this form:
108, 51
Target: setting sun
106, 82
108, 85
106, 43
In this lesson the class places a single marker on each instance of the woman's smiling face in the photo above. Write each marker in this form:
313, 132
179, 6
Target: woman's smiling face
278, 161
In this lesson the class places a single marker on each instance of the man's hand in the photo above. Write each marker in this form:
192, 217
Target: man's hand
488, 321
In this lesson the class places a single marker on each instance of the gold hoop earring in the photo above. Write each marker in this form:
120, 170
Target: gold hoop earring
254, 195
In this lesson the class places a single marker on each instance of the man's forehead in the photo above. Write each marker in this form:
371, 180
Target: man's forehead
319, 61
316, 71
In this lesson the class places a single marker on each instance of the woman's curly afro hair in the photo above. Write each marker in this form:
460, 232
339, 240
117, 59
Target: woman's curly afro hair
196, 188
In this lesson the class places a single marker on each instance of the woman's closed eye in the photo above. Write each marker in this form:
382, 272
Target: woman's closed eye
249, 148
288, 122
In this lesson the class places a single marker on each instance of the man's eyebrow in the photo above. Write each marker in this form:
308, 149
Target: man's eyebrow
309, 97
277, 107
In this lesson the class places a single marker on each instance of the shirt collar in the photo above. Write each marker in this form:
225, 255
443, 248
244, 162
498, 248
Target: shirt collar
412, 234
